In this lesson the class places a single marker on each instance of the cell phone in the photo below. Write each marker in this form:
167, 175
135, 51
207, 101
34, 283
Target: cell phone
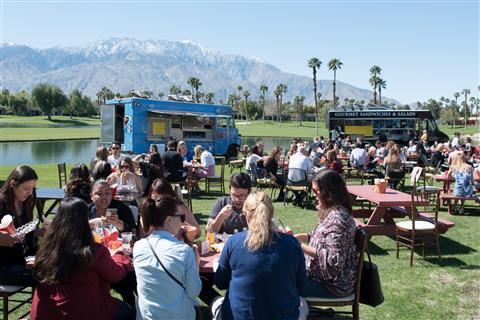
110, 212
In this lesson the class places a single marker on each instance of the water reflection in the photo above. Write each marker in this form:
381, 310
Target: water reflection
44, 152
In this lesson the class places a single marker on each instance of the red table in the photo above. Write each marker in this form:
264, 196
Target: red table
206, 261
447, 180
386, 203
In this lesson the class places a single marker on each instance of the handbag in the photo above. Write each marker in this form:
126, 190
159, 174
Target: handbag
370, 286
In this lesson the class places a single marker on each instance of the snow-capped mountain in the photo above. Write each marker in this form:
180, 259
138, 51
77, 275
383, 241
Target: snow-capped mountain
125, 64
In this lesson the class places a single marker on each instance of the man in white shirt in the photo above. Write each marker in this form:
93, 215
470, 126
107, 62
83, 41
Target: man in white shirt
116, 157
357, 157
456, 141
412, 147
299, 160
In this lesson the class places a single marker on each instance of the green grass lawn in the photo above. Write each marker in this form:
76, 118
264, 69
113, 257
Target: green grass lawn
432, 289
62, 127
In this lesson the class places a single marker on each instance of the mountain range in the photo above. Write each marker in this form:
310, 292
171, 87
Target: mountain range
123, 64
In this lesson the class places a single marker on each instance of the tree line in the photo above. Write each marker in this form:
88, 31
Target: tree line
51, 99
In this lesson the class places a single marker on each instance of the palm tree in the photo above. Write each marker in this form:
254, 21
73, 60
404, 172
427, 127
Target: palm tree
315, 64
374, 72
277, 94
175, 90
195, 84
186, 92
246, 94
282, 89
160, 95
382, 84
263, 90
466, 92
345, 101
209, 96
334, 64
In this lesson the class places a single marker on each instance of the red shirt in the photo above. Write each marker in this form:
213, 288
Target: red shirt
86, 294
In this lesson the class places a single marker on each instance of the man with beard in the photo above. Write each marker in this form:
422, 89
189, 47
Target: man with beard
226, 215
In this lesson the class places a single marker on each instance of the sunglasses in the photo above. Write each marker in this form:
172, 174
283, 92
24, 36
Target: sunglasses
181, 216
125, 167
115, 148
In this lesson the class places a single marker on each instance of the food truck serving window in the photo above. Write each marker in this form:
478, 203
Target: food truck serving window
158, 127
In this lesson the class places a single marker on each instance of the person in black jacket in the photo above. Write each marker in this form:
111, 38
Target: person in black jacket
173, 164
79, 183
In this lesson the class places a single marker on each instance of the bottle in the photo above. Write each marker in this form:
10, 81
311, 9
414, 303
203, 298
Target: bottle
211, 237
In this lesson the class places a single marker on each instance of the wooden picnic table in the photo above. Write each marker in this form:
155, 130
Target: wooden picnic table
385, 202
447, 181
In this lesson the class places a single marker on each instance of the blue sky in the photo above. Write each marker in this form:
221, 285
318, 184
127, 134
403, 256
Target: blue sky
426, 49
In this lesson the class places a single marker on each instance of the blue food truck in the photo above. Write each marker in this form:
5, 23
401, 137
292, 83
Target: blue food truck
137, 123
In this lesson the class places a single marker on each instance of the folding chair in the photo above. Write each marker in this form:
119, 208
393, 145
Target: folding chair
9, 291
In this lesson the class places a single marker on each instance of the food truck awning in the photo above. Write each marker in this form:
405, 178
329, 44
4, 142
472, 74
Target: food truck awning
189, 113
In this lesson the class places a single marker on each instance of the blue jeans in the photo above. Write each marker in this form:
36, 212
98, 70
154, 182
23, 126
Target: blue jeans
316, 289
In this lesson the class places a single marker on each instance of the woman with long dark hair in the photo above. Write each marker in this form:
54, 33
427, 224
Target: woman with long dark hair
17, 199
79, 183
100, 167
73, 271
329, 249
151, 170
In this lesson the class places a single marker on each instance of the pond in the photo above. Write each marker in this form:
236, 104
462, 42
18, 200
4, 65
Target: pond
76, 151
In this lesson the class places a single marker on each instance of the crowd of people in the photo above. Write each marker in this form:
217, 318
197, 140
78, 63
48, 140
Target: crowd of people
265, 271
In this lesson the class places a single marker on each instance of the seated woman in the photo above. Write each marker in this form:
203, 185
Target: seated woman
263, 269
100, 167
126, 176
73, 271
271, 168
330, 251
371, 163
207, 161
153, 149
17, 199
161, 187
166, 268
422, 160
393, 167
332, 162
438, 156
463, 174
79, 183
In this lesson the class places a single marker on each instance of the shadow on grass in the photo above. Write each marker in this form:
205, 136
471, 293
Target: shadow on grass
202, 218
376, 250
449, 262
452, 247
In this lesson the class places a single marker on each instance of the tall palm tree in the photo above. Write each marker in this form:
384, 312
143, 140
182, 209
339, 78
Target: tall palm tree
345, 101
374, 72
382, 84
334, 64
466, 92
263, 90
282, 89
277, 94
315, 64
246, 94
160, 95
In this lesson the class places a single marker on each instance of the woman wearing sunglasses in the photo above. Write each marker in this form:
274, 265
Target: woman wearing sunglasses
126, 176
168, 280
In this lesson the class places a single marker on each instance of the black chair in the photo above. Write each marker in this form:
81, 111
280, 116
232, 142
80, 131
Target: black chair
297, 182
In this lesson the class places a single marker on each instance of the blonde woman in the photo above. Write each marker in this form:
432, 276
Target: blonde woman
207, 167
463, 174
263, 269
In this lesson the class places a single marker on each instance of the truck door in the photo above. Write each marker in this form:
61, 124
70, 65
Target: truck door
221, 135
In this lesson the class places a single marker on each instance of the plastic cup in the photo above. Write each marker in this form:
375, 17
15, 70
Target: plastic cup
190, 231
126, 240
